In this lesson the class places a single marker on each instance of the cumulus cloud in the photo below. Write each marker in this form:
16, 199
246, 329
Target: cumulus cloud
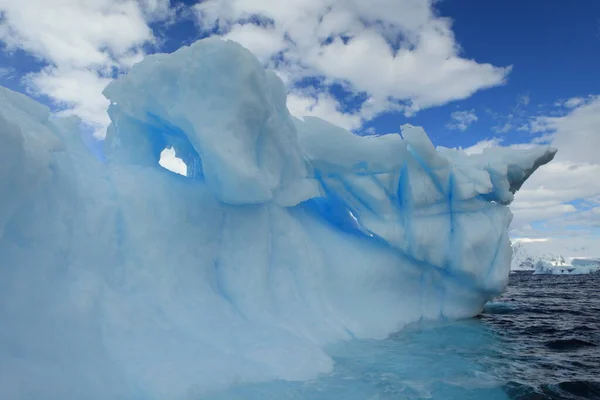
83, 42
170, 161
77, 90
322, 105
478, 147
461, 120
399, 54
263, 41
565, 193
576, 134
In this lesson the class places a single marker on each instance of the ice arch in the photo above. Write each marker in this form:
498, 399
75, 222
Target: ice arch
124, 280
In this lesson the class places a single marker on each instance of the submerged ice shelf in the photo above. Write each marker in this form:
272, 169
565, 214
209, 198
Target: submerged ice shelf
122, 280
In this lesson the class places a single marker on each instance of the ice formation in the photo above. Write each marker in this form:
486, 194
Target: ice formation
123, 280
542, 263
577, 266
525, 257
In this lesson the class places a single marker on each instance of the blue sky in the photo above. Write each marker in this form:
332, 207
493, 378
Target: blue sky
553, 49
472, 73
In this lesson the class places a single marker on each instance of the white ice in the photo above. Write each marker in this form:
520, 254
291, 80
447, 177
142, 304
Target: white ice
123, 280
577, 266
533, 255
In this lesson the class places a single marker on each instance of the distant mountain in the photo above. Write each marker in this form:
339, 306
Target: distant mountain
524, 259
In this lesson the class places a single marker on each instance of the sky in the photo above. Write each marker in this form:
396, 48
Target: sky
473, 73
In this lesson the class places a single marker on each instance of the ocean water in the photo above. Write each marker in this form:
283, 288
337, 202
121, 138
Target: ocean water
539, 340
550, 326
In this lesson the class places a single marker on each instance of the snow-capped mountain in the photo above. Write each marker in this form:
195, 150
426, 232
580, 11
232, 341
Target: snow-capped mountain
533, 255
525, 259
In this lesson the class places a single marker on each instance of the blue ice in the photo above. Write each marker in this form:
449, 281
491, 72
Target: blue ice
122, 280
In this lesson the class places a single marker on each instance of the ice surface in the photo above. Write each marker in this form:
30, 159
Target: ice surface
123, 280
577, 266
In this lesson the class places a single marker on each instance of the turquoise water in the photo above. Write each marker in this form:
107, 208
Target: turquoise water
443, 361
539, 341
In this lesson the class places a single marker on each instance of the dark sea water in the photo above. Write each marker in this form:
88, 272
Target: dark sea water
551, 327
540, 340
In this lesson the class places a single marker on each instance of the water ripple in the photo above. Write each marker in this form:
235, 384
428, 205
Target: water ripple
552, 346
539, 341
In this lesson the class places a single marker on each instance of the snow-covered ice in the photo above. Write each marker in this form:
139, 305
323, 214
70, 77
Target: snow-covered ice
529, 256
577, 266
121, 279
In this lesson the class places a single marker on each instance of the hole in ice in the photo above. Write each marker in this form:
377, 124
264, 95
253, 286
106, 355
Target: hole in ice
169, 160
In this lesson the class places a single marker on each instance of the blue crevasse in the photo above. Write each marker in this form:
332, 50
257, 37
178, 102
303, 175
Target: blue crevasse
123, 280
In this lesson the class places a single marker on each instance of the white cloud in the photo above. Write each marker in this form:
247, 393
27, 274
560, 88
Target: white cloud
461, 120
400, 55
170, 161
478, 147
516, 119
349, 42
264, 42
567, 246
550, 194
502, 128
7, 72
526, 212
574, 102
79, 91
577, 134
523, 100
321, 105
83, 42
564, 195
529, 240
523, 128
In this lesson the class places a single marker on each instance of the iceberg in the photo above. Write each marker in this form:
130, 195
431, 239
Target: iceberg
577, 266
120, 279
